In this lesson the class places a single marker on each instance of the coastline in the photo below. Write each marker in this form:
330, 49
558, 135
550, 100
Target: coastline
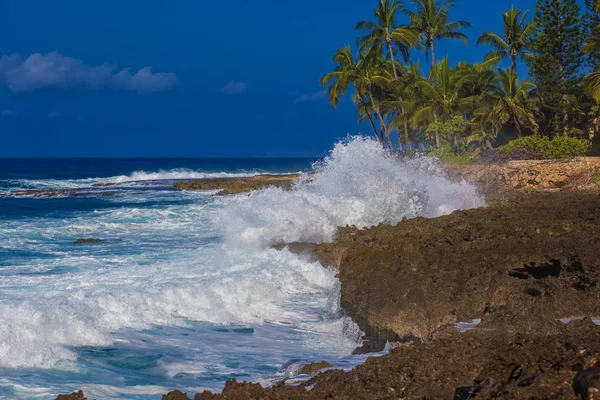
382, 271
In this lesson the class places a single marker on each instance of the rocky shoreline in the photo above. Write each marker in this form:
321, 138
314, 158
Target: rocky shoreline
227, 186
515, 269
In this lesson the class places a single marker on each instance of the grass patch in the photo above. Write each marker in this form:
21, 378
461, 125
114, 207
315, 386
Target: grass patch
448, 157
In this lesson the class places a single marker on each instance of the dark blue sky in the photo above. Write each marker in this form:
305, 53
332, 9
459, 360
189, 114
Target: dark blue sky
271, 53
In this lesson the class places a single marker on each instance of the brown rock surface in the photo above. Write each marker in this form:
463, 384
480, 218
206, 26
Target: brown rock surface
312, 368
238, 185
47, 193
532, 175
535, 255
176, 395
481, 364
73, 396
87, 241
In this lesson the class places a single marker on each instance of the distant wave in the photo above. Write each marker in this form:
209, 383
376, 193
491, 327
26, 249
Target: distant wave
131, 179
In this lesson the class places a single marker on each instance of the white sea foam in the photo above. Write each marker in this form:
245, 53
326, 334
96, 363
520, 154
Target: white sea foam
83, 309
357, 184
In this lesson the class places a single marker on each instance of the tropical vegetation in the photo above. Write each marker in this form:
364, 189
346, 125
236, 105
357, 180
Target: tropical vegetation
456, 109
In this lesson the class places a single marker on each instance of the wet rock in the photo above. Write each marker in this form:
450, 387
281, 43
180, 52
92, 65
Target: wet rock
533, 255
175, 395
479, 364
49, 193
297, 247
87, 241
587, 383
73, 396
239, 185
310, 369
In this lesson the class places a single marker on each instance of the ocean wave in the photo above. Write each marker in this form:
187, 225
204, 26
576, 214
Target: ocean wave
358, 184
136, 177
228, 287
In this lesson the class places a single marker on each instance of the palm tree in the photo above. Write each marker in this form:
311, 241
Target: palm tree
591, 84
510, 101
591, 81
368, 77
516, 41
431, 19
365, 112
344, 75
386, 32
347, 73
443, 96
408, 98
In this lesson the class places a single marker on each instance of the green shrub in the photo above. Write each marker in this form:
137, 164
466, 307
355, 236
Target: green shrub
597, 178
541, 148
447, 156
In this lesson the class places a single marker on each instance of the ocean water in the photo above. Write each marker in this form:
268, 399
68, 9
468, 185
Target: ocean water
185, 290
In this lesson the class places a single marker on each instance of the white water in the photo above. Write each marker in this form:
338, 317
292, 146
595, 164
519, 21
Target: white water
179, 259
136, 177
357, 184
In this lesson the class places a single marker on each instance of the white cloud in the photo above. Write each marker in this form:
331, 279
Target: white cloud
235, 87
54, 70
8, 113
317, 96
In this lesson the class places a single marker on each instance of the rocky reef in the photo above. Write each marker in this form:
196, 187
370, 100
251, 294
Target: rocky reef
541, 360
238, 185
535, 254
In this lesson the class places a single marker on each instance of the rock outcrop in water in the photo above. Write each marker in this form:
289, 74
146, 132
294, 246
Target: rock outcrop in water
533, 255
514, 359
50, 193
88, 241
73, 396
238, 185
541, 359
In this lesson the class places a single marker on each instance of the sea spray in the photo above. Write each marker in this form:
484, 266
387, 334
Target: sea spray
359, 184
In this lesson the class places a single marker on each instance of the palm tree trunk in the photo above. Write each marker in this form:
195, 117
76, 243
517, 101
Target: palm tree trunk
389, 139
406, 138
565, 116
393, 61
437, 134
432, 43
383, 130
517, 126
373, 127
